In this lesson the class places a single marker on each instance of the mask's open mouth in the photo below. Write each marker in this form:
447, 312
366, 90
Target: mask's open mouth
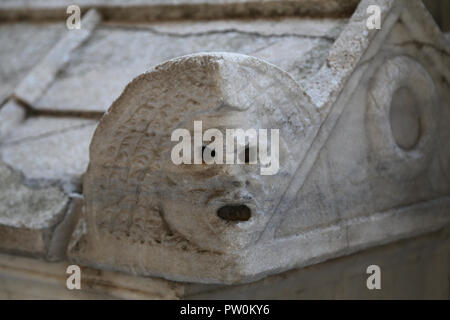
234, 212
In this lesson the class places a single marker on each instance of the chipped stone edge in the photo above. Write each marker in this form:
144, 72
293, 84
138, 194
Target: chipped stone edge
145, 11
360, 233
51, 277
32, 87
63, 230
332, 99
355, 39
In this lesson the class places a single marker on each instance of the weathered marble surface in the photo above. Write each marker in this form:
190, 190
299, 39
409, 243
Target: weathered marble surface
22, 46
28, 278
27, 214
42, 157
116, 53
145, 11
417, 268
134, 195
37, 81
42, 162
354, 174
440, 9
351, 175
48, 147
59, 148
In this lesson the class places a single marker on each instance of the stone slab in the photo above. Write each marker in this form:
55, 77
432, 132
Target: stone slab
346, 183
11, 116
23, 45
417, 268
49, 149
43, 74
116, 53
27, 215
27, 278
141, 10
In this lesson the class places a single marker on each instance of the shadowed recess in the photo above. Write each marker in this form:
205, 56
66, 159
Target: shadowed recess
234, 213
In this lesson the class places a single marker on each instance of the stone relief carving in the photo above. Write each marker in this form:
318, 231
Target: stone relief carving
402, 118
134, 192
173, 215
362, 117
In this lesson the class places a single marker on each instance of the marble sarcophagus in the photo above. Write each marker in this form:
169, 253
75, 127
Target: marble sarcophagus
362, 144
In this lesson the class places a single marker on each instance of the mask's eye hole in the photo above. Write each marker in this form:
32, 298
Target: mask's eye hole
212, 153
245, 155
234, 212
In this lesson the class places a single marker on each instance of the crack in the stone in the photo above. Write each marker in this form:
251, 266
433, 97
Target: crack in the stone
215, 32
32, 111
419, 45
44, 135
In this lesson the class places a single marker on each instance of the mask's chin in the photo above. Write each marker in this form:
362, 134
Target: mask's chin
218, 226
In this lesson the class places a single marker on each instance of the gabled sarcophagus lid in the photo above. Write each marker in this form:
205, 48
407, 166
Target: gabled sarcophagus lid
224, 167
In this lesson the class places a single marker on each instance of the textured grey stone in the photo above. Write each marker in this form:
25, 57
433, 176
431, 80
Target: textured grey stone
11, 116
354, 173
23, 45
417, 268
203, 84
116, 53
43, 74
345, 182
143, 10
27, 215
49, 149
27, 278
